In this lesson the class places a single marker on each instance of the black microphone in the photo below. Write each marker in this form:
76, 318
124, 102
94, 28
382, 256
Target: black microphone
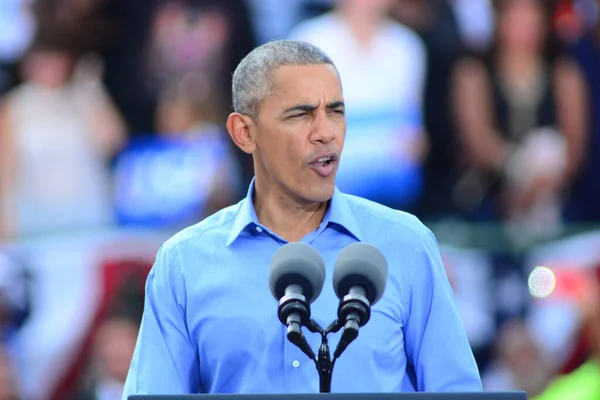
296, 279
359, 280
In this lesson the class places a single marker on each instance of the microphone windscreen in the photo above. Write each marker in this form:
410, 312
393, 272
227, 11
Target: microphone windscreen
297, 263
360, 264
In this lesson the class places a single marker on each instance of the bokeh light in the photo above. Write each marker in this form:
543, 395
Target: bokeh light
542, 282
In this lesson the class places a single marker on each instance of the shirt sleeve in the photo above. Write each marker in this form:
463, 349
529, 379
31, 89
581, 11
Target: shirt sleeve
165, 359
436, 342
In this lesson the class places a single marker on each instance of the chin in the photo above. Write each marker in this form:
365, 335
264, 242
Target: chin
320, 192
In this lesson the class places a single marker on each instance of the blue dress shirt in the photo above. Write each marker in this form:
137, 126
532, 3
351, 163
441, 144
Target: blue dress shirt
210, 322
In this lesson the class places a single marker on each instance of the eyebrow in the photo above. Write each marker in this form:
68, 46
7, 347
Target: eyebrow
310, 107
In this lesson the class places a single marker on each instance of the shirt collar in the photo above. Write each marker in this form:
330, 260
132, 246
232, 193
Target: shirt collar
338, 213
245, 217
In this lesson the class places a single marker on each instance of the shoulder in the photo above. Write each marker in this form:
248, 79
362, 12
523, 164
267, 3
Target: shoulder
382, 221
15, 95
409, 246
313, 27
567, 79
402, 43
564, 67
471, 73
181, 253
471, 65
404, 34
213, 231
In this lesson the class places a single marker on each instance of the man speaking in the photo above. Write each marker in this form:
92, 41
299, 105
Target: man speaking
210, 323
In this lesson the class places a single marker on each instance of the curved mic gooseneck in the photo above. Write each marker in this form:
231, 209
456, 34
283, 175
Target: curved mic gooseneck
296, 280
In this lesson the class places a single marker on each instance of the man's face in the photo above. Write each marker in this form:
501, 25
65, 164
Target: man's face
299, 132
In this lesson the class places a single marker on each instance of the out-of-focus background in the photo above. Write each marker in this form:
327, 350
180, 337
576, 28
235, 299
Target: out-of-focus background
481, 117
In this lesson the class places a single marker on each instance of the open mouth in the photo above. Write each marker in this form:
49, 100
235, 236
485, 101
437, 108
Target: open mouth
325, 161
324, 165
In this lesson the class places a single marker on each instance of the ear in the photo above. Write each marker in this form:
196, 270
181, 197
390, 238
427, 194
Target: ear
238, 126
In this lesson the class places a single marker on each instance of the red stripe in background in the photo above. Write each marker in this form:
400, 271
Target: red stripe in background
582, 350
113, 275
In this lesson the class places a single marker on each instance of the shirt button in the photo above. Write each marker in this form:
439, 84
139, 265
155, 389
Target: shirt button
295, 363
258, 229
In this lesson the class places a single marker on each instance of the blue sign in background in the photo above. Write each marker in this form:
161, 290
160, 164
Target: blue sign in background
162, 181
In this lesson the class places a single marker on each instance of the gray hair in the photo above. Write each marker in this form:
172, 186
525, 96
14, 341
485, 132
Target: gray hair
252, 77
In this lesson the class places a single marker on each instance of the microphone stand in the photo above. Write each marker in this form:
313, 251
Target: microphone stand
294, 312
323, 362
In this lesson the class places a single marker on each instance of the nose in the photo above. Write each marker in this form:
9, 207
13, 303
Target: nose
324, 130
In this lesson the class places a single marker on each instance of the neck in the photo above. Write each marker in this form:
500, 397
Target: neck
283, 215
363, 27
515, 64
49, 86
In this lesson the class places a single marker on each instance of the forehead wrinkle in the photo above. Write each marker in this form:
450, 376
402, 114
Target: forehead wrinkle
291, 90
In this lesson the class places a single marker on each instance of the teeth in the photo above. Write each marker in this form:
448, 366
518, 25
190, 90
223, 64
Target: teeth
324, 159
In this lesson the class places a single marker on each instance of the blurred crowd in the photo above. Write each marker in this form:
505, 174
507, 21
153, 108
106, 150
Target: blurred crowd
112, 136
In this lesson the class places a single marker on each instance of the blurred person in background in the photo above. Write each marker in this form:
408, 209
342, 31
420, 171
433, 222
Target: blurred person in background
184, 116
58, 130
189, 41
521, 112
520, 362
436, 22
9, 389
197, 43
583, 201
382, 67
196, 40
192, 151
95, 29
111, 353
